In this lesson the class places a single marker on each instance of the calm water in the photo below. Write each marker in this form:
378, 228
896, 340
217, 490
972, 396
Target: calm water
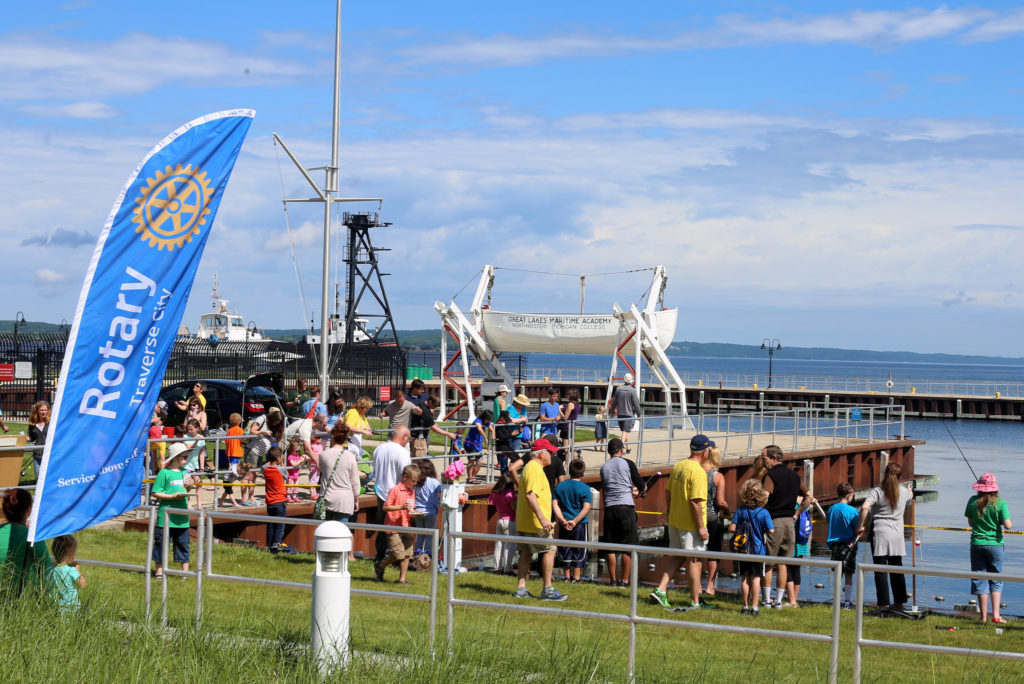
989, 446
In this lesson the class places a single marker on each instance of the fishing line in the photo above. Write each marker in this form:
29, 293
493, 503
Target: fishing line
960, 450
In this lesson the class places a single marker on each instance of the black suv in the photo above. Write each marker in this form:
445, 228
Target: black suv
251, 398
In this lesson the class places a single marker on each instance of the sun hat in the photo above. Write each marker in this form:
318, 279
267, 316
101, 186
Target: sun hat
502, 388
175, 449
628, 377
986, 483
522, 400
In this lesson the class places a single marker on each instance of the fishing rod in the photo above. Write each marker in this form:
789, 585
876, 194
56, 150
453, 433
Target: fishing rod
962, 455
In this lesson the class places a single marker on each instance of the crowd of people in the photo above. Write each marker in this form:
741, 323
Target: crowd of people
539, 494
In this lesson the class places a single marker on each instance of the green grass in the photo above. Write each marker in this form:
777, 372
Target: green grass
489, 644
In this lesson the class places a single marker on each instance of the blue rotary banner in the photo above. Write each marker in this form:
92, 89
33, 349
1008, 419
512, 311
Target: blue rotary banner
128, 313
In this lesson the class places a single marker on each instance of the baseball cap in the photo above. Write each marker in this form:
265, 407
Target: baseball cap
700, 443
614, 445
545, 445
628, 377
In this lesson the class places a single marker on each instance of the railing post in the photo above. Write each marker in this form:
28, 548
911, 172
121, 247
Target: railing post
198, 565
837, 583
433, 592
858, 632
633, 575
151, 528
165, 547
450, 627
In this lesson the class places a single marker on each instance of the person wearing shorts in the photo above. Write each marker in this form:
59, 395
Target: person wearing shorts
687, 520
534, 518
621, 482
784, 486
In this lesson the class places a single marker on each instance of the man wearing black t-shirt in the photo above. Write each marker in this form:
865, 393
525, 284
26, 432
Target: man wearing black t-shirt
783, 486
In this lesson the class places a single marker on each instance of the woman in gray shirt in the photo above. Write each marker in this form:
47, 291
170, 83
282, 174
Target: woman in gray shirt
886, 504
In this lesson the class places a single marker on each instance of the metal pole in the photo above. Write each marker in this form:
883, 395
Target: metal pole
837, 582
859, 628
200, 530
433, 592
913, 549
149, 555
633, 575
448, 554
165, 547
330, 187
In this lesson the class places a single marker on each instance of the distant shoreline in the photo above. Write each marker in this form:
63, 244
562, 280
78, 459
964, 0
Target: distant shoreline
430, 340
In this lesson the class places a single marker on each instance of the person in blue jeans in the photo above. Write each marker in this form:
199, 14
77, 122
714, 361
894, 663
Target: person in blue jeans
274, 474
988, 515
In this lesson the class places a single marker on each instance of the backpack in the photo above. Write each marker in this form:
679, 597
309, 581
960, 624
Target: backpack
804, 527
743, 537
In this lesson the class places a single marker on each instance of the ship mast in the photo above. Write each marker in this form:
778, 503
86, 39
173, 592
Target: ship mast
327, 195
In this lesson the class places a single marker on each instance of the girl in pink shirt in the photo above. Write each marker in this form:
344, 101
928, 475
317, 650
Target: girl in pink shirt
295, 461
503, 498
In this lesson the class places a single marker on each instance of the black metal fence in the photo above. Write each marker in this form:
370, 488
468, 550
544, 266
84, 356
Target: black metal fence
357, 371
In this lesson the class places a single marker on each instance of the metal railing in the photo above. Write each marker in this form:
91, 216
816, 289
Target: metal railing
860, 642
203, 561
879, 385
633, 618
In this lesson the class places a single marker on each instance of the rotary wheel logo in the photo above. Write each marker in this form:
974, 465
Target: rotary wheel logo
173, 206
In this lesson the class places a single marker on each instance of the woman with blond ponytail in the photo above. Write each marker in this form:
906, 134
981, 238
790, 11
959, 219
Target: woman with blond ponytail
886, 504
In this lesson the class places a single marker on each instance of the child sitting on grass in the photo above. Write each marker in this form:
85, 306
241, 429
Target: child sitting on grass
65, 576
758, 522
397, 507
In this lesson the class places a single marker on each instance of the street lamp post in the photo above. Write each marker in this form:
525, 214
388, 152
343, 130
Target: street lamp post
772, 345
19, 322
251, 330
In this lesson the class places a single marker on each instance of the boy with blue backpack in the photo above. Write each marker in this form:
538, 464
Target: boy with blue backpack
749, 525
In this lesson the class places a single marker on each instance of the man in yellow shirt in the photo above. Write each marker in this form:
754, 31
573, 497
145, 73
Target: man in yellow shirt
534, 519
687, 520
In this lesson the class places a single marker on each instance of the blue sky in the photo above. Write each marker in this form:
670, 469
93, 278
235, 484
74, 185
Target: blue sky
844, 178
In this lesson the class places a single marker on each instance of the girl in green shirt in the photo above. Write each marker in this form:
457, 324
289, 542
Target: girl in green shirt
988, 515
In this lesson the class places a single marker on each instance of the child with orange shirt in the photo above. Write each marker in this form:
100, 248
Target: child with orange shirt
397, 508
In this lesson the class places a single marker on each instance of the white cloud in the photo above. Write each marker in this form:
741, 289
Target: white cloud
999, 28
47, 276
32, 68
306, 235
75, 110
728, 31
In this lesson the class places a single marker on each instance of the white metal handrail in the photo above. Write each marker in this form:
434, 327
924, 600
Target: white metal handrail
633, 618
860, 642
